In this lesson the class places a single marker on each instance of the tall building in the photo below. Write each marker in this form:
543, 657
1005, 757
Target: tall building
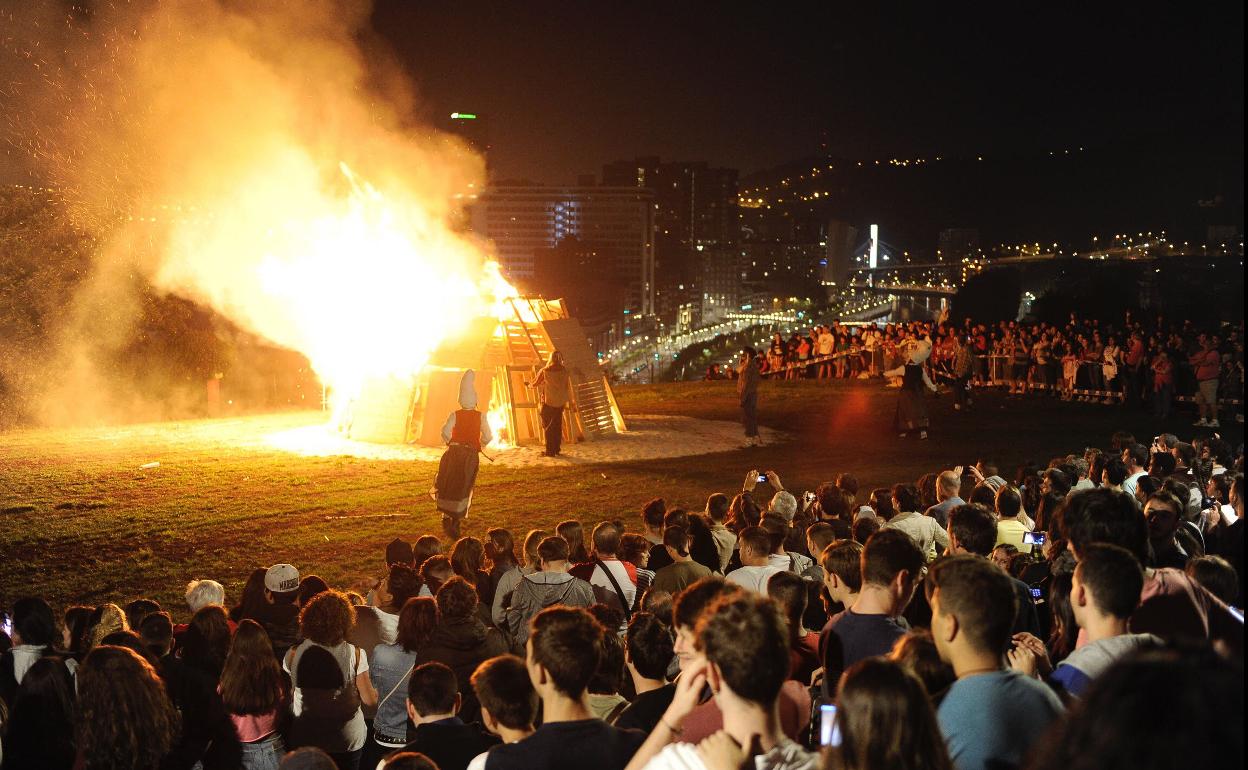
695, 211
612, 225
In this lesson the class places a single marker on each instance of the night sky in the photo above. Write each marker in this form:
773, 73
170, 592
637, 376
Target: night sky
568, 86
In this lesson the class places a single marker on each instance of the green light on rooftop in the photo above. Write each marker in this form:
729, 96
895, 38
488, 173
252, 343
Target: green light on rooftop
463, 116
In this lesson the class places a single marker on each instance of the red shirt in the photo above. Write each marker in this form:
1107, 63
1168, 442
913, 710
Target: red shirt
1207, 364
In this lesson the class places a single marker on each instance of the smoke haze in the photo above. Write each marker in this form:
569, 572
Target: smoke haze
261, 158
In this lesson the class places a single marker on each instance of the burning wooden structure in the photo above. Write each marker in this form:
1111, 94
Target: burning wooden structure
506, 353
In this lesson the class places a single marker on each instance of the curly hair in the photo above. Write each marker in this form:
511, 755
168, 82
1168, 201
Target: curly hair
105, 619
457, 599
125, 718
327, 618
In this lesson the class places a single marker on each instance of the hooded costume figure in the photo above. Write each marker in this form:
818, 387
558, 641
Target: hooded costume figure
466, 431
911, 408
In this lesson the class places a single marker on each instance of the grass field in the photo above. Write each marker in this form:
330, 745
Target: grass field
81, 522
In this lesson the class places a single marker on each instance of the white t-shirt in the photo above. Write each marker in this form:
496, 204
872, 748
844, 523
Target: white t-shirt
1129, 484
787, 755
361, 667
753, 578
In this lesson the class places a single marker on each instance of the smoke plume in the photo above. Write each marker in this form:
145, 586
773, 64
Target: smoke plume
262, 158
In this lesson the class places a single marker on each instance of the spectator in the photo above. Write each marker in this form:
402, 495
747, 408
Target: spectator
1135, 457
1207, 366
652, 514
74, 640
745, 662
1114, 727
510, 579
329, 678
137, 736
141, 608
255, 696
635, 550
1002, 554
433, 573
562, 652
104, 620
409, 760
468, 561
702, 543
280, 614
500, 552
865, 527
461, 641
1172, 605
683, 570
725, 540
991, 716
508, 701
789, 593
1010, 529
1082, 480
310, 586
648, 649
1164, 514
818, 537
550, 586
972, 530
947, 485
882, 503
252, 603
743, 512
389, 670
842, 572
34, 634
379, 624
1217, 576
916, 651
754, 547
605, 701
156, 633
39, 730
886, 720
433, 702
892, 567
1115, 474
199, 594
659, 558
926, 531
398, 552
1105, 588
614, 581
572, 531
779, 532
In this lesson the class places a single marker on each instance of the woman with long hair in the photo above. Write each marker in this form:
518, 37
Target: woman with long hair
500, 554
125, 719
508, 581
886, 721
104, 620
41, 720
468, 561
743, 512
572, 531
206, 642
254, 692
329, 678
1063, 630
389, 671
252, 603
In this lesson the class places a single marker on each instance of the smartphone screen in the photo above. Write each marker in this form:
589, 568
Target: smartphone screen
762, 479
1033, 538
6, 625
829, 731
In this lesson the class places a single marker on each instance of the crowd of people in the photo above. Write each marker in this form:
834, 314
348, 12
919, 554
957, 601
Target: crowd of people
1079, 615
1137, 362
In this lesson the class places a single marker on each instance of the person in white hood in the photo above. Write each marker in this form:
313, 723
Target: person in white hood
466, 431
911, 408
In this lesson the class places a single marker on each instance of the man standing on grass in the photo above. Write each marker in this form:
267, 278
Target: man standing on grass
747, 392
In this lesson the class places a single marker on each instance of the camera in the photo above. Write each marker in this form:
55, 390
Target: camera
1033, 538
762, 478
